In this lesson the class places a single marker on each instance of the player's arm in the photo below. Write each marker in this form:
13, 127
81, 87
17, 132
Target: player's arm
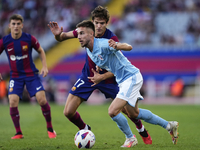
42, 55
97, 78
58, 32
119, 46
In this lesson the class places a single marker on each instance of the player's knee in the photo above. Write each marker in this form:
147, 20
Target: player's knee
112, 113
68, 113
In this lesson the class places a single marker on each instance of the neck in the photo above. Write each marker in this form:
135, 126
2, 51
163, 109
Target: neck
16, 36
90, 45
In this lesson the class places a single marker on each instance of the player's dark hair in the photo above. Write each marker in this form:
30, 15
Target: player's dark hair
101, 12
16, 17
87, 24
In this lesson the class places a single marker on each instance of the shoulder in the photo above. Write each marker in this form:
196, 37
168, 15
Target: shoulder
101, 41
111, 35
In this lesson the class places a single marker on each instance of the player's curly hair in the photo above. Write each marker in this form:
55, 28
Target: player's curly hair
87, 24
16, 17
101, 12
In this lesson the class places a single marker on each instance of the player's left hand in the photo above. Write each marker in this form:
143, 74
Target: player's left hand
44, 72
96, 78
112, 43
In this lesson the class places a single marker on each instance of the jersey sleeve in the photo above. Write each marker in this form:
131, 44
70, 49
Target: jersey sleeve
115, 38
75, 33
34, 42
1, 46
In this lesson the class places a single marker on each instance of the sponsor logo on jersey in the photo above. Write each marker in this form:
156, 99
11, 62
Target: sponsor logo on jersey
13, 57
25, 47
73, 88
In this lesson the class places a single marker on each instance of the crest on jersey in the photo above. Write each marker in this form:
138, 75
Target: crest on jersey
25, 47
11, 89
100, 57
73, 88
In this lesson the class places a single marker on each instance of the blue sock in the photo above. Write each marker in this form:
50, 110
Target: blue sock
149, 117
122, 123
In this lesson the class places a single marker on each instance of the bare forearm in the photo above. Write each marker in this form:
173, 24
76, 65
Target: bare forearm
107, 75
64, 36
123, 46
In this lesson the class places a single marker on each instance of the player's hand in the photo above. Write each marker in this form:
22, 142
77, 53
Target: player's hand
44, 72
112, 43
1, 78
98, 69
96, 78
55, 29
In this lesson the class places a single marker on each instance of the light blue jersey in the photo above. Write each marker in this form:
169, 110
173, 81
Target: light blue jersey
112, 60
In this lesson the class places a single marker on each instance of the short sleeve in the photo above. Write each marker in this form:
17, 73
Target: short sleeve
75, 33
34, 42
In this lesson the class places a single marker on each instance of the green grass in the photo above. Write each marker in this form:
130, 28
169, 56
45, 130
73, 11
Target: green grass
108, 136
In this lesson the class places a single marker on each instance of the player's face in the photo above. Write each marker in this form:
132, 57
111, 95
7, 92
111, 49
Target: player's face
84, 36
100, 26
16, 27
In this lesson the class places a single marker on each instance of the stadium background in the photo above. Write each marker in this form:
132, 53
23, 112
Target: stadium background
165, 35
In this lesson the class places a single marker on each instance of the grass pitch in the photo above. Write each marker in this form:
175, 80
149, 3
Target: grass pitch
108, 136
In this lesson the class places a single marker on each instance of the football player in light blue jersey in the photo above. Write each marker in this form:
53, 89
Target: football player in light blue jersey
105, 54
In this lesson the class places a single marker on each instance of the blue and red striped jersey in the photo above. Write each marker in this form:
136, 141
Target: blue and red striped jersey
19, 53
89, 64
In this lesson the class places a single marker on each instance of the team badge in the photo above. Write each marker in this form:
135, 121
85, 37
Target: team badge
25, 47
73, 88
11, 89
100, 57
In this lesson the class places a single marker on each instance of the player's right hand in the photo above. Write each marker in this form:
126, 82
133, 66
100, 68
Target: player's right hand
55, 29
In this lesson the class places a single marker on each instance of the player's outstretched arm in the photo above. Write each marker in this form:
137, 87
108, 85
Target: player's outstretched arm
58, 32
119, 46
44, 71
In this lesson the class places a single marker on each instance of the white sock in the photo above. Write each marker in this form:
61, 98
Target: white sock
86, 127
141, 130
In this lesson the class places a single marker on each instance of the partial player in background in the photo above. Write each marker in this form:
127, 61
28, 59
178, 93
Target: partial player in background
106, 54
103, 81
18, 47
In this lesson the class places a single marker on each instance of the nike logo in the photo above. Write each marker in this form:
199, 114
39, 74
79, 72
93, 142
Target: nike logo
38, 88
10, 49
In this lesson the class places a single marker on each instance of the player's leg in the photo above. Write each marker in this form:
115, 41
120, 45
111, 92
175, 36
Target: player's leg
148, 116
114, 112
79, 92
14, 113
110, 91
35, 88
14, 94
70, 112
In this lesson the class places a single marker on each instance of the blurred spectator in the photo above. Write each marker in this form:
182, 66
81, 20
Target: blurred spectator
177, 88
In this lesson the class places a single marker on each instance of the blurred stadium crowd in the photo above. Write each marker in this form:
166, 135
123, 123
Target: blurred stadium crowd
159, 22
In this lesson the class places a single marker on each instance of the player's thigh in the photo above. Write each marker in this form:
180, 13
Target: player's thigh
132, 111
16, 87
33, 85
13, 100
41, 97
82, 88
72, 104
116, 106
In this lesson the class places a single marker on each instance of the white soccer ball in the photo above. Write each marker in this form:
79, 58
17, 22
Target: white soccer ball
84, 139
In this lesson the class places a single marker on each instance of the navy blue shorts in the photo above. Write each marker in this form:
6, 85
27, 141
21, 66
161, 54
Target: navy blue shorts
82, 88
33, 85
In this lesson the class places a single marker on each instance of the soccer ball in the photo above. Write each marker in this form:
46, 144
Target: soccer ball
84, 139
